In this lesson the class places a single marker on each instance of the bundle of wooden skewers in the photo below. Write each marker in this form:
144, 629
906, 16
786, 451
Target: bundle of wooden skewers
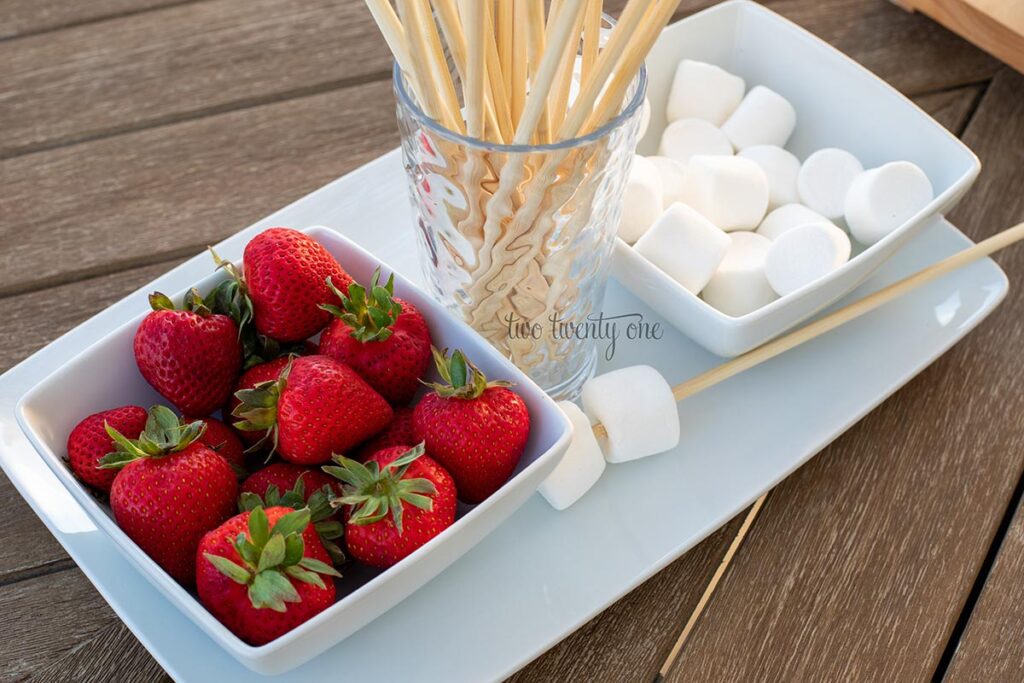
502, 72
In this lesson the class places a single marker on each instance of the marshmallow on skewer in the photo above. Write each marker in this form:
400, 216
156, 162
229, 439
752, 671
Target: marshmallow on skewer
825, 178
764, 117
580, 467
685, 138
786, 218
884, 198
731, 192
686, 245
703, 91
673, 174
781, 167
805, 254
739, 286
641, 202
636, 406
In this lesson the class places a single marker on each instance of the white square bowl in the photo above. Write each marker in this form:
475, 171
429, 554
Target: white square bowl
839, 104
105, 376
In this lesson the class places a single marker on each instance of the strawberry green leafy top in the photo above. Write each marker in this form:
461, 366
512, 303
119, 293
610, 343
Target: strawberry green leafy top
371, 313
270, 556
374, 493
164, 434
320, 511
461, 378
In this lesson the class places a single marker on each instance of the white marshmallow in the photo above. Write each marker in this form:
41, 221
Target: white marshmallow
673, 175
580, 467
884, 198
786, 218
731, 192
739, 286
781, 167
764, 117
684, 244
825, 178
703, 91
641, 202
636, 407
685, 138
645, 118
805, 254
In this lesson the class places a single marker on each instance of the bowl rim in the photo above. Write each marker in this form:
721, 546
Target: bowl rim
734, 323
186, 601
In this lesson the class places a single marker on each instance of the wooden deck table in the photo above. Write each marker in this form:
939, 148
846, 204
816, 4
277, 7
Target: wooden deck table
135, 132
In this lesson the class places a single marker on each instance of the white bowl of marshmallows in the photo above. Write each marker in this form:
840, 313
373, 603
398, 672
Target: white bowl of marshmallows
774, 177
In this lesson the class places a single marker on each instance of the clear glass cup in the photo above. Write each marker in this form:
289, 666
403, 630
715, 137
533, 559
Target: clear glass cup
524, 261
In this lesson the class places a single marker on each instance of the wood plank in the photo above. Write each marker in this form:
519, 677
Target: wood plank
180, 62
21, 17
47, 617
951, 108
910, 51
861, 561
149, 196
190, 60
992, 646
996, 26
112, 649
630, 639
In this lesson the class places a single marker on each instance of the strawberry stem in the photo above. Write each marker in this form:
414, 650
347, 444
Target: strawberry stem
373, 492
163, 435
369, 314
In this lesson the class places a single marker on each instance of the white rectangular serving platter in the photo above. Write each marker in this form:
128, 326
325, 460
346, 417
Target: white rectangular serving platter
541, 574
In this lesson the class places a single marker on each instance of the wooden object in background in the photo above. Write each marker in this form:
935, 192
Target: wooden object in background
996, 26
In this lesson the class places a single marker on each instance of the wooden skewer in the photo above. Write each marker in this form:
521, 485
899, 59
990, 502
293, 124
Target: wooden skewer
709, 590
476, 68
632, 16
503, 30
439, 65
496, 79
420, 62
520, 62
562, 83
536, 44
560, 32
451, 25
591, 37
639, 46
844, 315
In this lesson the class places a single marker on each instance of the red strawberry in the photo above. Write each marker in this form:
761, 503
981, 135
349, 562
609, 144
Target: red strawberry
316, 407
297, 487
191, 356
89, 442
396, 502
260, 573
284, 476
384, 339
257, 374
399, 433
476, 429
170, 491
286, 276
222, 439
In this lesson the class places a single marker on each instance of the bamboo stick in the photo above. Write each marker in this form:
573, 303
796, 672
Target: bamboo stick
476, 68
520, 62
562, 83
591, 37
455, 37
504, 21
495, 77
844, 315
536, 44
413, 17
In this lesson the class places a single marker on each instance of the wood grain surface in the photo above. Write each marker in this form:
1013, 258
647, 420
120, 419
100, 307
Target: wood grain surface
135, 132
992, 648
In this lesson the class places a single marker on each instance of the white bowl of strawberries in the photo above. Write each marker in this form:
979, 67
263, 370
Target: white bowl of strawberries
312, 453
